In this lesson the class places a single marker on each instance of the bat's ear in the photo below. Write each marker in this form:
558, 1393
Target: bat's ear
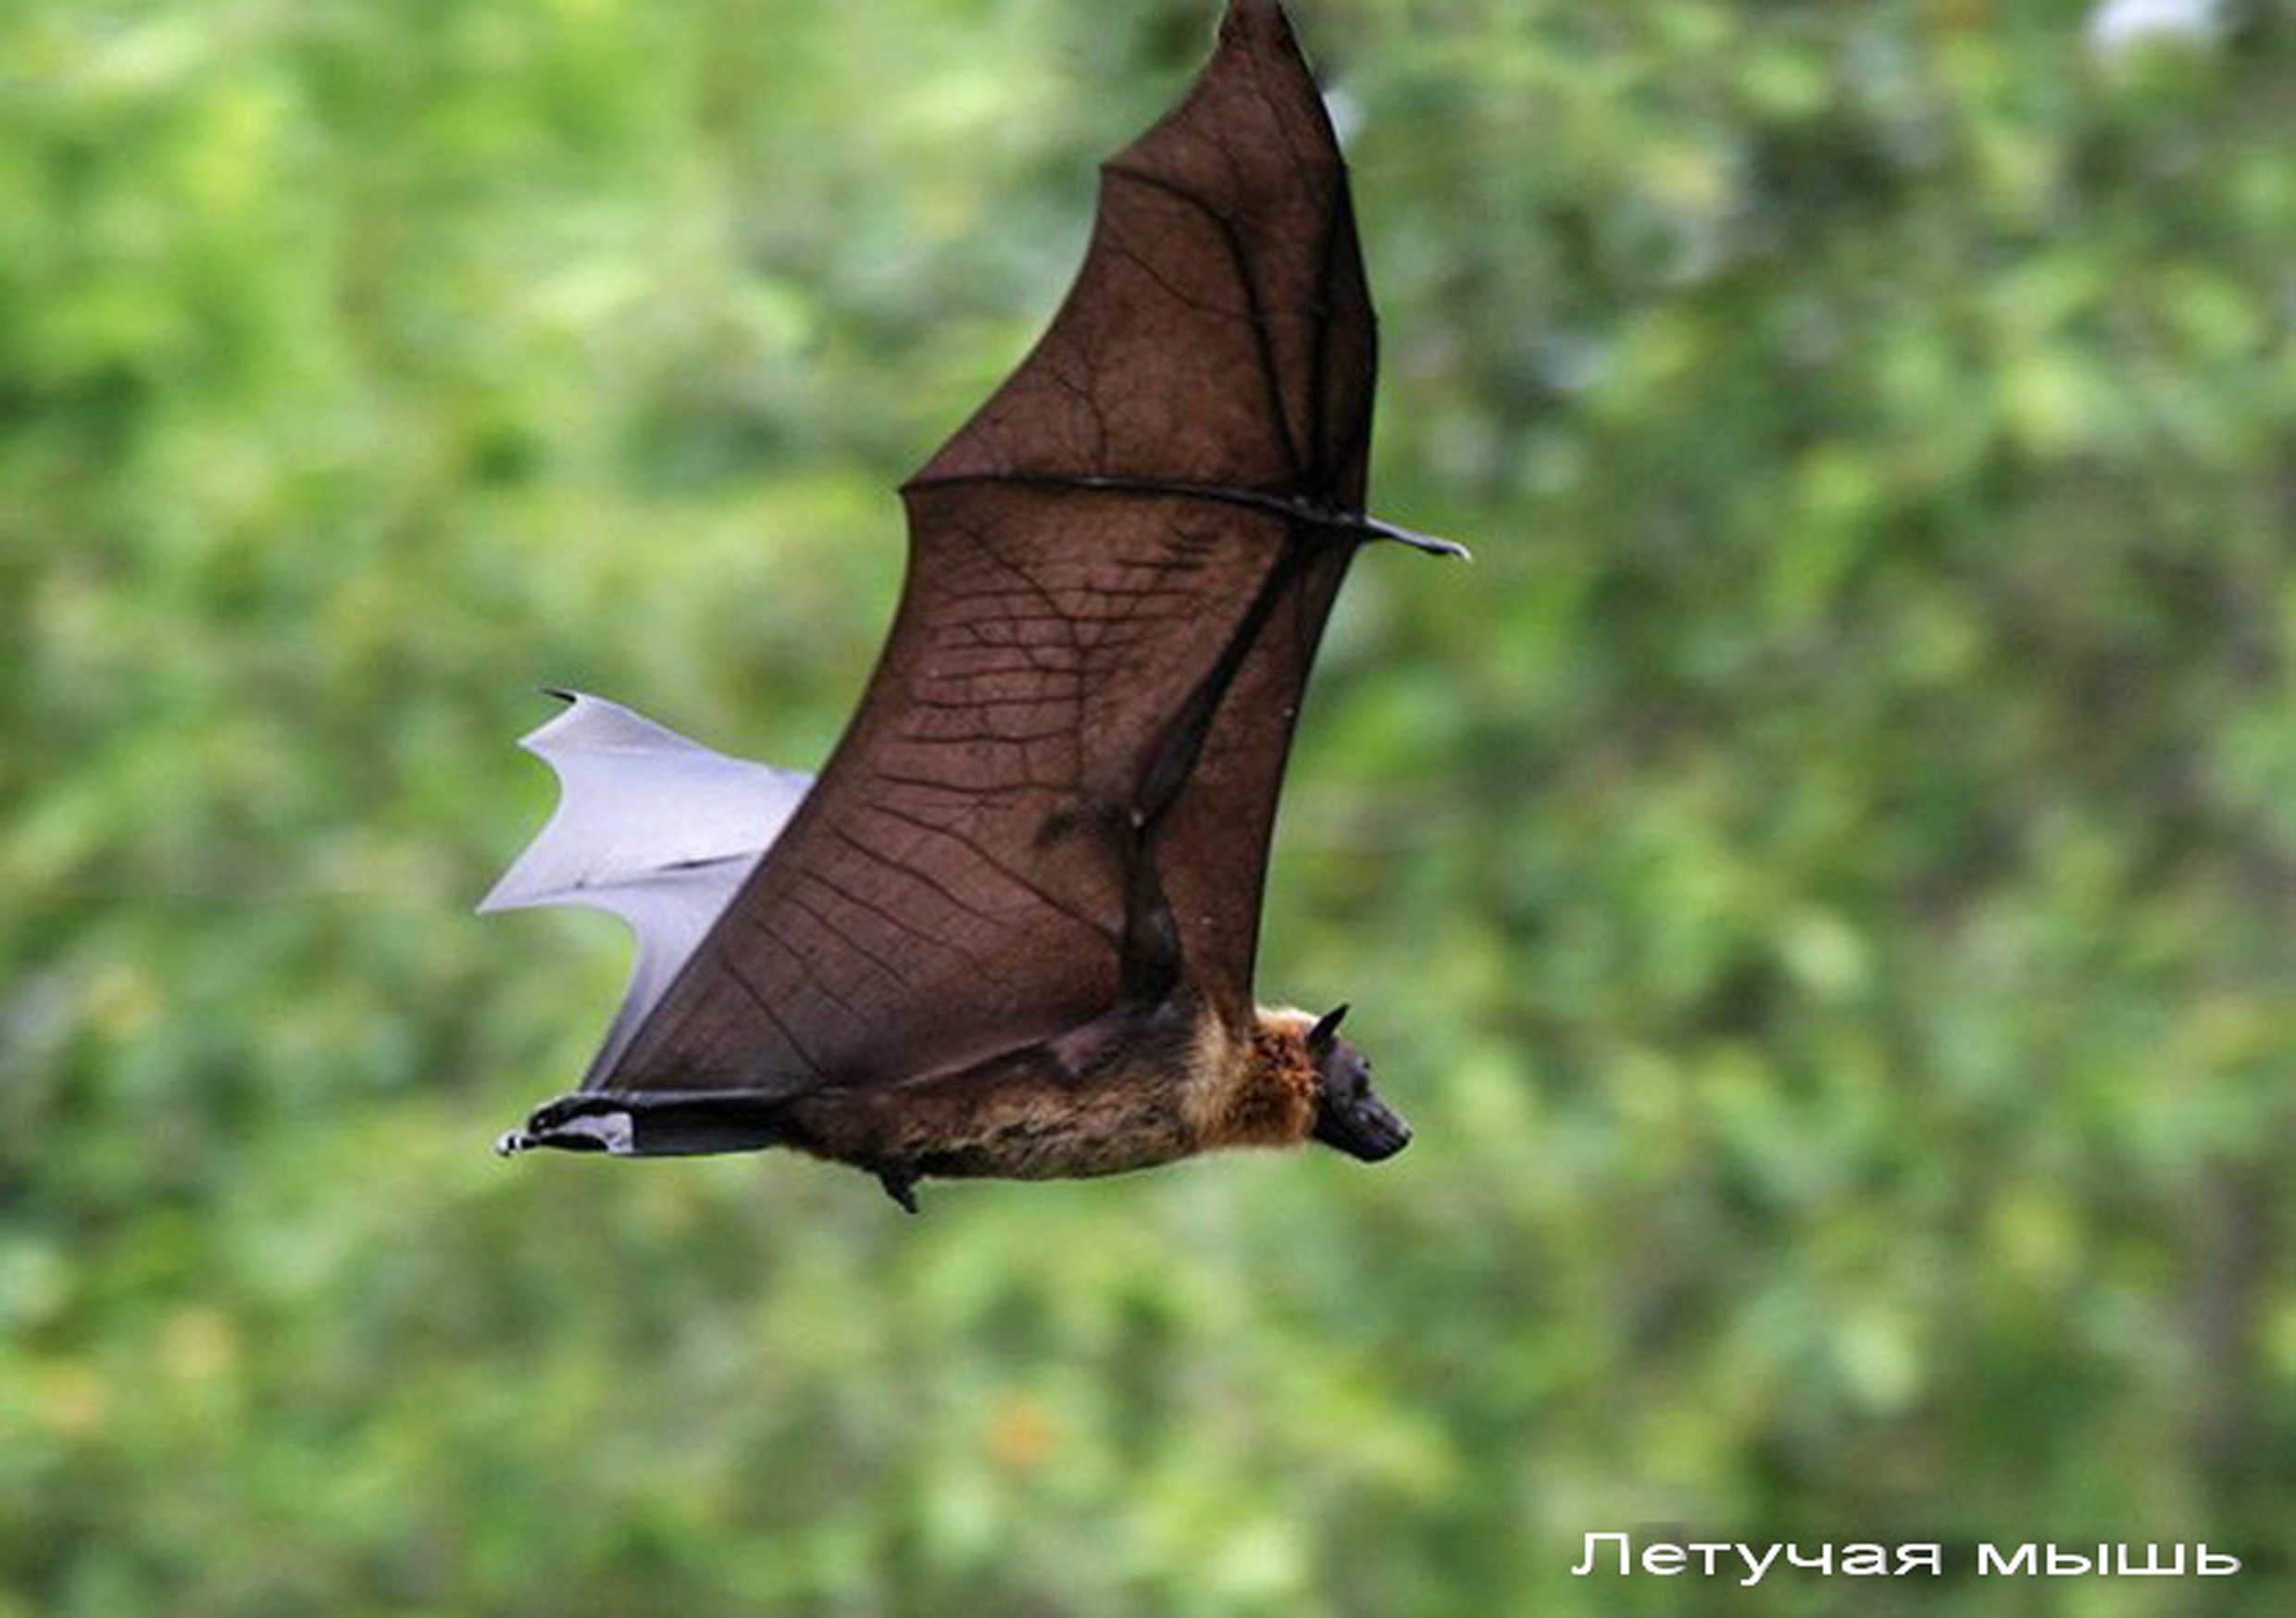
1326, 1030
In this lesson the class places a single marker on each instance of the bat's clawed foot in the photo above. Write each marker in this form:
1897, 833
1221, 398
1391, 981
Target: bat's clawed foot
579, 1123
900, 1184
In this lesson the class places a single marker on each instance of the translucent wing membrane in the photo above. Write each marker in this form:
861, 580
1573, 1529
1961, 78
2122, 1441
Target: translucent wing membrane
653, 828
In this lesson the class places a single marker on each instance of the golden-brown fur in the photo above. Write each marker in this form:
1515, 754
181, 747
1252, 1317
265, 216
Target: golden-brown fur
1264, 1095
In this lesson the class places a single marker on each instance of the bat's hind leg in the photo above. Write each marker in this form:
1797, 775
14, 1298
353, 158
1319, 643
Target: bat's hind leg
900, 1183
579, 1123
652, 1123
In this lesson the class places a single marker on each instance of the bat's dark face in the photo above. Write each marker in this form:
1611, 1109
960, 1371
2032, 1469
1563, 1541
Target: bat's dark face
1349, 1113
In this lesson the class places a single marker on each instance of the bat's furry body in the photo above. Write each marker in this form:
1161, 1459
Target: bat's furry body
1009, 932
1144, 1090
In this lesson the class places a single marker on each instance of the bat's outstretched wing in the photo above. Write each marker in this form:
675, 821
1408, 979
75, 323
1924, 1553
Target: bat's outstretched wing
650, 826
1119, 571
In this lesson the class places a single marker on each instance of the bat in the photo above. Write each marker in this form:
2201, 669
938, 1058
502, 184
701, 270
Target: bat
1009, 931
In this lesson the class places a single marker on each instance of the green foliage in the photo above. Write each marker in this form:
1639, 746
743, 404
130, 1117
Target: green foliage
1822, 884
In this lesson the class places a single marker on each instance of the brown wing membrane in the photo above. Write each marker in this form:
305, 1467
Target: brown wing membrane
1114, 590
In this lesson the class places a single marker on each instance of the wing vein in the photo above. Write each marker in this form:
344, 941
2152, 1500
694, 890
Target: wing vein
1270, 373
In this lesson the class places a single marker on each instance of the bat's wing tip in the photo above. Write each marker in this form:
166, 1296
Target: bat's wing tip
594, 723
1257, 27
1260, 22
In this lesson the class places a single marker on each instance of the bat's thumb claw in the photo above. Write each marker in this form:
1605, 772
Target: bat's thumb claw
1428, 544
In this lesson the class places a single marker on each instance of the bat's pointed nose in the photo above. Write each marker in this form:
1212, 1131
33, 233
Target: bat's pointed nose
1367, 1129
1381, 1138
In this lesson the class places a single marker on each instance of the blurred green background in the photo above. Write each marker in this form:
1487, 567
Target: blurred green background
1822, 884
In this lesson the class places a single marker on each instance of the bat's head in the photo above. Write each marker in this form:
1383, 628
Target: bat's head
1349, 1116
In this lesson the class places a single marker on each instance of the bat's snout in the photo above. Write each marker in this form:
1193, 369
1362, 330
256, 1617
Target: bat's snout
1350, 1116
1363, 1127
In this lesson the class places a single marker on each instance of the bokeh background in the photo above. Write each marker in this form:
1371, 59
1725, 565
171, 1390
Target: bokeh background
1822, 883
